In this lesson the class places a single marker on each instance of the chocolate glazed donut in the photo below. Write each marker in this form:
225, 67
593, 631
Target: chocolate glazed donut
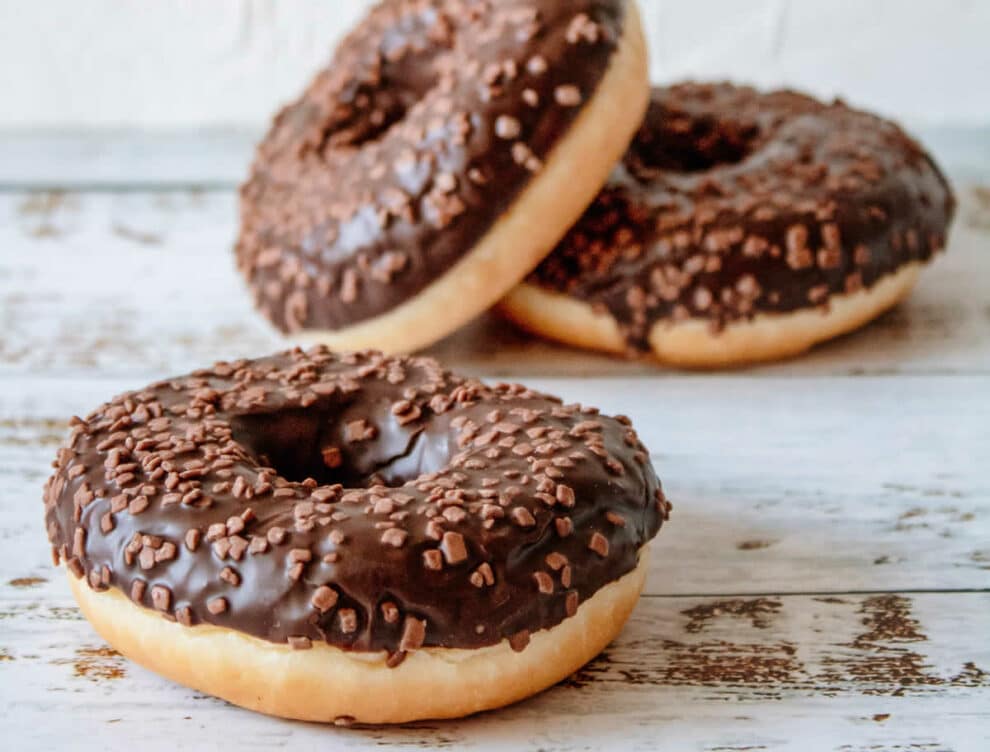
443, 152
353, 536
742, 226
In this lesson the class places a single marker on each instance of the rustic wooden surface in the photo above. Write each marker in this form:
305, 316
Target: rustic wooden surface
824, 582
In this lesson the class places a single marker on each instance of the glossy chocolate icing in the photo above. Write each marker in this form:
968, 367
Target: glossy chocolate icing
399, 493
401, 154
731, 202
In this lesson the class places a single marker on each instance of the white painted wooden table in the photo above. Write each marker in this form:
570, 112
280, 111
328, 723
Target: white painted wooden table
824, 582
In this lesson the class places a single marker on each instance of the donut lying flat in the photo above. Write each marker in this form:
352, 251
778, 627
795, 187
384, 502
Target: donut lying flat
740, 227
353, 537
443, 152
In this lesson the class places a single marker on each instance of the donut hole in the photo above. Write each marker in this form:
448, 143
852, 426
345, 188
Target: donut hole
405, 71
302, 444
367, 117
691, 144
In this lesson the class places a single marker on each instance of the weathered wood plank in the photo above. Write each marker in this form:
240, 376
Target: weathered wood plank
124, 283
786, 479
130, 158
902, 672
779, 485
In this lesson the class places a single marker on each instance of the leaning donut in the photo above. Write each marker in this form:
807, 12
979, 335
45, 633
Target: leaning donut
353, 537
742, 226
443, 152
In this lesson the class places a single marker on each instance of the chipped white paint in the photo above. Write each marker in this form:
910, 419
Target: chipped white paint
183, 64
822, 584
794, 672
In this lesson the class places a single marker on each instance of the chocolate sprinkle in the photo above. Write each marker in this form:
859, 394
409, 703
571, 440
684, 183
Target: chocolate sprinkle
413, 634
599, 544
423, 520
519, 640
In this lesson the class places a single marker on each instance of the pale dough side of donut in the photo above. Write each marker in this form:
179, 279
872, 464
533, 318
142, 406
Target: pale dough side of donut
326, 683
692, 343
571, 177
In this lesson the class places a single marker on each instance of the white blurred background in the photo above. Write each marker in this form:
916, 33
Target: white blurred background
215, 64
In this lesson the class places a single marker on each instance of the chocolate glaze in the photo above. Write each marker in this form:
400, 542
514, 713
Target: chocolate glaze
403, 492
731, 202
400, 155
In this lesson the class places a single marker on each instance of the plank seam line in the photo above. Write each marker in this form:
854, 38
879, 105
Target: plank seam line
661, 375
111, 187
812, 593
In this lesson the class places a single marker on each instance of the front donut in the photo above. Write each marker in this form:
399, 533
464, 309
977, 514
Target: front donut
353, 537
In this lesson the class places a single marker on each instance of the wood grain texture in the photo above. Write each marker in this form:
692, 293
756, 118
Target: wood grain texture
779, 485
824, 582
143, 283
845, 671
